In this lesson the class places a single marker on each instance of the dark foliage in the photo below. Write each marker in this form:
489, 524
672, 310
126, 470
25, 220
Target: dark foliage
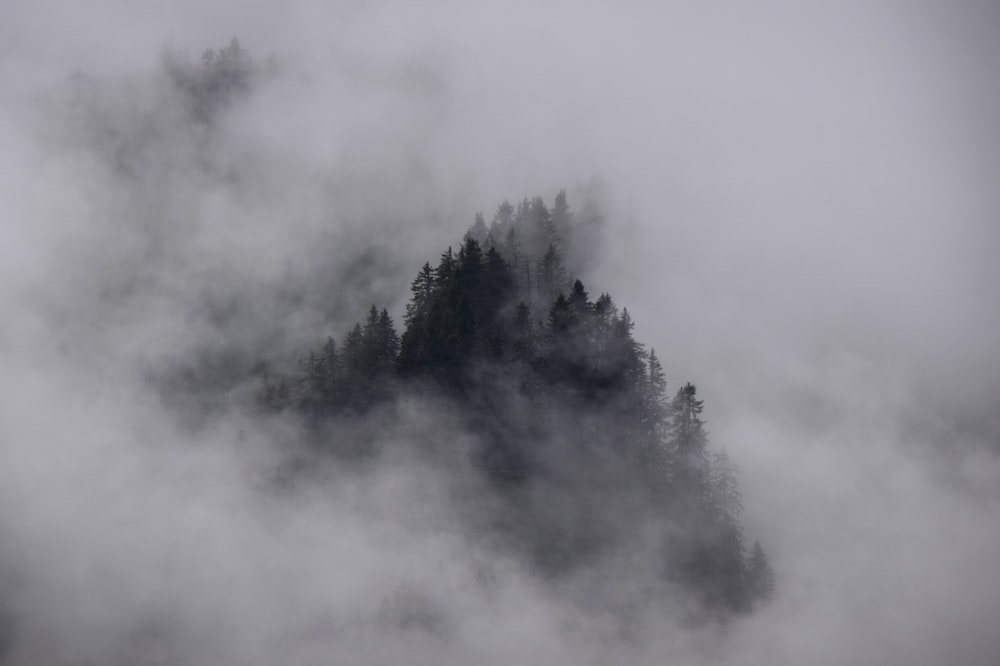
571, 410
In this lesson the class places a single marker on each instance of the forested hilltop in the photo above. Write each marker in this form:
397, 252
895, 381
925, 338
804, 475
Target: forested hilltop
584, 455
579, 438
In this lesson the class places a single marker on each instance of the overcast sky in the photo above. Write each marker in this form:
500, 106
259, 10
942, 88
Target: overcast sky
802, 220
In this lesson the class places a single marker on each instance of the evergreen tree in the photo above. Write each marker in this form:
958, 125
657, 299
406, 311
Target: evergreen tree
626, 354
353, 356
562, 220
503, 222
579, 301
655, 413
542, 229
760, 576
445, 269
421, 290
510, 249
724, 506
478, 231
387, 343
498, 286
688, 442
551, 276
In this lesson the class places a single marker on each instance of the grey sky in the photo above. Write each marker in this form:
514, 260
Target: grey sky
804, 223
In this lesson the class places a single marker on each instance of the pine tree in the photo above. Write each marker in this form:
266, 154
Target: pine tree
445, 269
562, 221
688, 443
542, 227
353, 354
627, 353
497, 290
422, 290
551, 276
510, 249
760, 576
503, 221
656, 411
387, 343
478, 231
579, 300
724, 506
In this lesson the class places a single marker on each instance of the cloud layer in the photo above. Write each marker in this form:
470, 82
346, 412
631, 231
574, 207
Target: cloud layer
801, 220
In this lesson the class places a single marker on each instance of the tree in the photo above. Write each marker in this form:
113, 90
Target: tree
445, 269
724, 506
687, 430
497, 288
655, 410
503, 222
562, 220
510, 249
551, 276
542, 227
579, 300
421, 290
478, 230
760, 576
725, 500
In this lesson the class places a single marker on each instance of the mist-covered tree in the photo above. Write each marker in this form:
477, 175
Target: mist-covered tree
562, 220
421, 293
688, 442
478, 230
552, 278
760, 575
222, 76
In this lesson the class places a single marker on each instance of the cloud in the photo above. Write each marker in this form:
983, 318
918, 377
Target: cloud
800, 222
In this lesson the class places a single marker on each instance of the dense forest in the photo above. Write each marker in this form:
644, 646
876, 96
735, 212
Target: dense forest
580, 443
573, 412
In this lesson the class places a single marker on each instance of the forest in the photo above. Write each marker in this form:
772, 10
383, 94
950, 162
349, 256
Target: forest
585, 455
574, 416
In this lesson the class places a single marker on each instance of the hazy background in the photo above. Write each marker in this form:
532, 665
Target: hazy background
802, 220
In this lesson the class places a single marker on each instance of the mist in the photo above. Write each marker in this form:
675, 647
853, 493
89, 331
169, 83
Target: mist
800, 212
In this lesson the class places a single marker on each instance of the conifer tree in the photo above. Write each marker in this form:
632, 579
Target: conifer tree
688, 443
478, 230
503, 221
760, 575
579, 300
498, 287
655, 409
421, 290
551, 276
562, 221
445, 269
510, 249
542, 228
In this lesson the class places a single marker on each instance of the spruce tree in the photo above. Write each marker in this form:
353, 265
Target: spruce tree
421, 290
760, 575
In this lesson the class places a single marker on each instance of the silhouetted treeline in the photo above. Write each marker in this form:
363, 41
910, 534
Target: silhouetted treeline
579, 434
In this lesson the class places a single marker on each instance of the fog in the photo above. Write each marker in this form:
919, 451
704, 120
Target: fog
801, 218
